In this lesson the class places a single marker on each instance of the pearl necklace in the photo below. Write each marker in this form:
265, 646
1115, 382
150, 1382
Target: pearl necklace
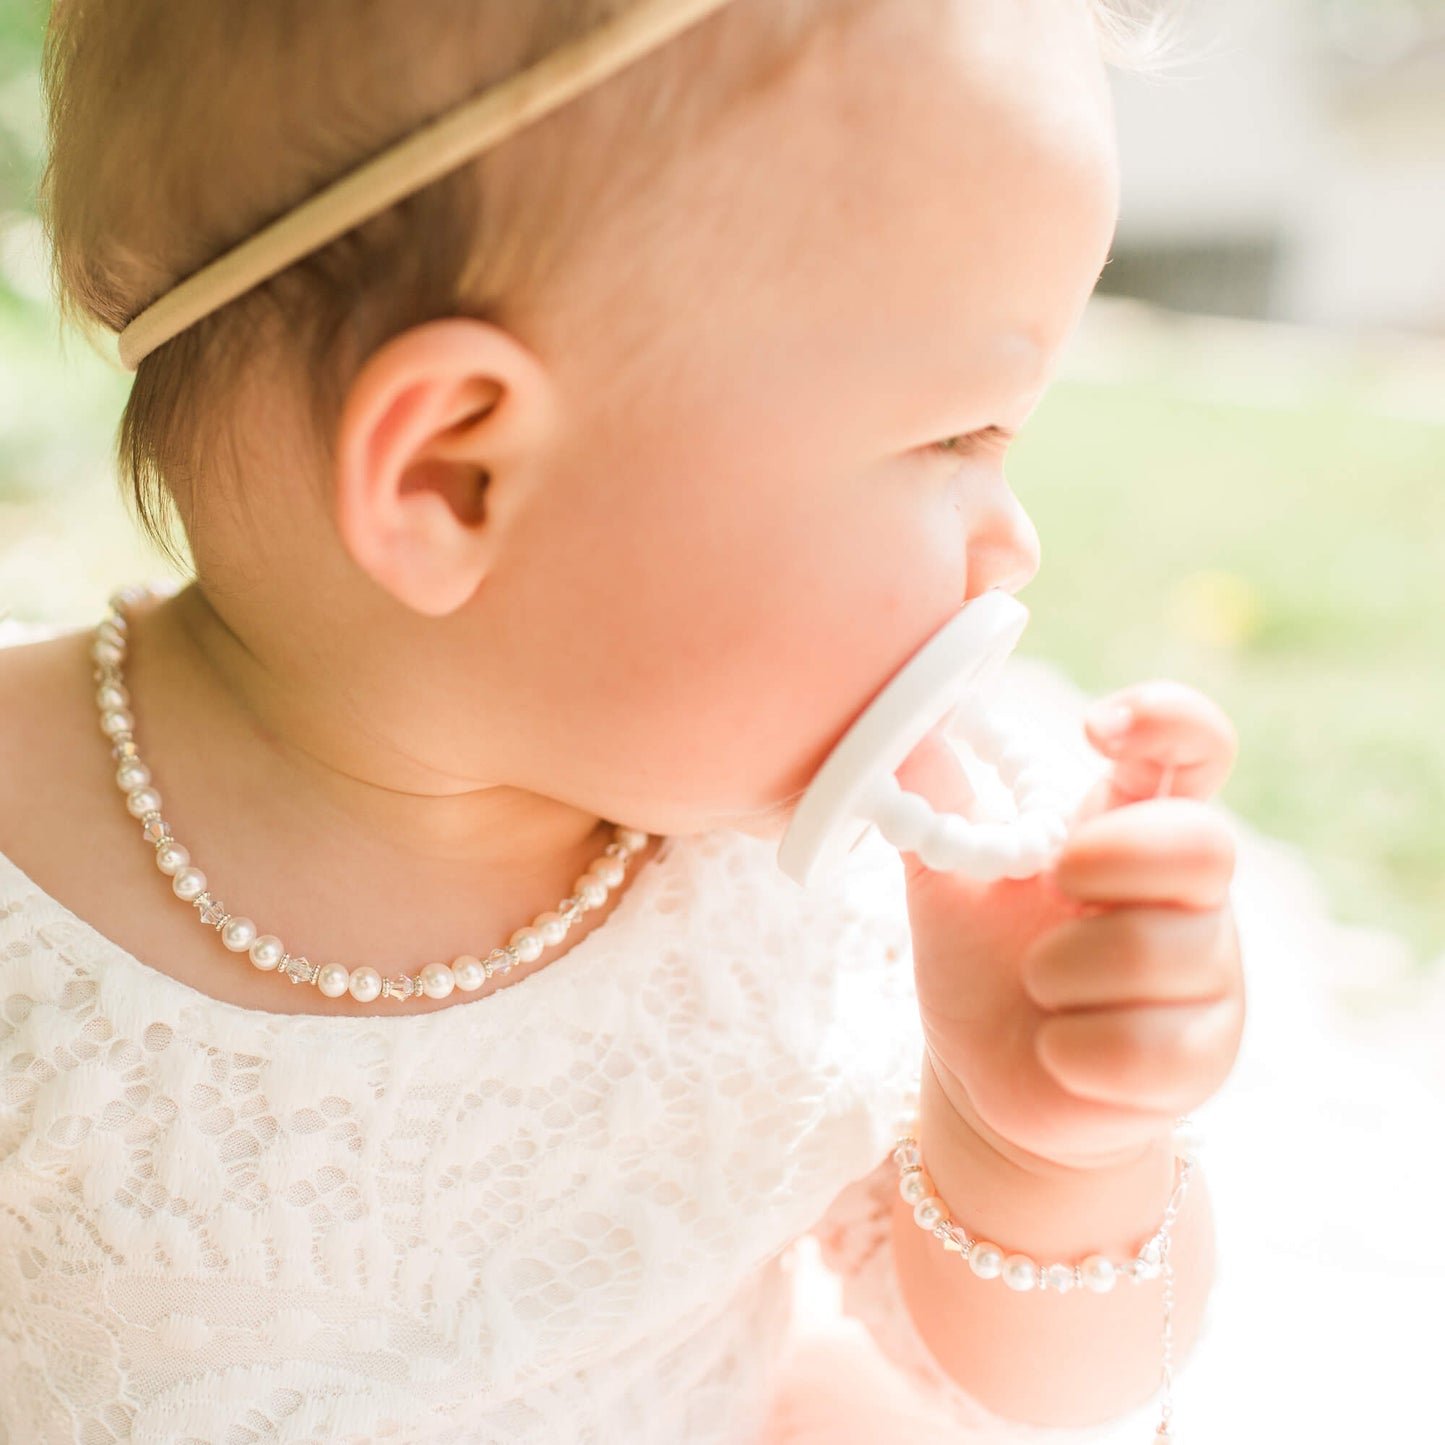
266, 952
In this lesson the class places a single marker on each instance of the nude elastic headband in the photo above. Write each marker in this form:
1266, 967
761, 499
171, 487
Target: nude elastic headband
421, 158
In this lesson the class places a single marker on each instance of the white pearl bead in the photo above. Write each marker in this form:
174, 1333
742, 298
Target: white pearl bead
267, 952
365, 984
928, 1212
633, 839
108, 653
111, 696
592, 893
132, 775
334, 979
171, 858
608, 871
1020, 1272
986, 1260
238, 934
469, 972
1099, 1274
189, 883
143, 801
914, 1187
116, 721
437, 980
552, 927
528, 943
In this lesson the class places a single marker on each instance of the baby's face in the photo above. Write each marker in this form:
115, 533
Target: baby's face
752, 525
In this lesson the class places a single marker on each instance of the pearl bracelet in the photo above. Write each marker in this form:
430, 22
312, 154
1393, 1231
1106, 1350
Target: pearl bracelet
1019, 1272
1096, 1273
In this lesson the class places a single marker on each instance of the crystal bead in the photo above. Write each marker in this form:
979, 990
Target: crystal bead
298, 970
572, 910
123, 749
497, 962
157, 831
614, 850
1059, 1277
401, 988
907, 1156
954, 1240
213, 913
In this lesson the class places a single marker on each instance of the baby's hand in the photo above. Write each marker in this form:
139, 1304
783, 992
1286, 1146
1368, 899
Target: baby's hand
1071, 1017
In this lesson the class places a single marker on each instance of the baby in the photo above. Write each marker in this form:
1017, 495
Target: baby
596, 486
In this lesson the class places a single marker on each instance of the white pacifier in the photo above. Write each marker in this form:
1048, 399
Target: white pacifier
942, 683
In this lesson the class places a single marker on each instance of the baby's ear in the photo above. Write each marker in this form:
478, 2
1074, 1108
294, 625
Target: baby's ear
439, 446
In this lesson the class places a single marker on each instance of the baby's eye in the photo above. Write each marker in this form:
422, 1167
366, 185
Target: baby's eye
990, 435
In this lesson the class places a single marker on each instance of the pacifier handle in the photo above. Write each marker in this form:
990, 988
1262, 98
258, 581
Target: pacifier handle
948, 843
855, 788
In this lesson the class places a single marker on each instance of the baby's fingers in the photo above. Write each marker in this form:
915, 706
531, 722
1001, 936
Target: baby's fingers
1167, 850
1135, 956
1162, 733
1166, 1058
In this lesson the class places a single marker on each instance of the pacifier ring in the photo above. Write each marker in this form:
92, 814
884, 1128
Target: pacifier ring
1022, 847
856, 788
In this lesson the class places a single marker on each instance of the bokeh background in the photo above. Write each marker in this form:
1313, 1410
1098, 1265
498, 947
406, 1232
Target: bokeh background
1239, 479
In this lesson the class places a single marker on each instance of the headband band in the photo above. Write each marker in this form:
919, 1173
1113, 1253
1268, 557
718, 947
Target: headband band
411, 164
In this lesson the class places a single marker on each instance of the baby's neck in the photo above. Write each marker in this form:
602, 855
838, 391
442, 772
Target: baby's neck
301, 816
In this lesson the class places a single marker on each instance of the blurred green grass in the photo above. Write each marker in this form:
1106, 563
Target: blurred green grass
1289, 563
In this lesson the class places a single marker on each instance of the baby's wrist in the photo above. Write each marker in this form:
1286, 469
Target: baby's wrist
1034, 1205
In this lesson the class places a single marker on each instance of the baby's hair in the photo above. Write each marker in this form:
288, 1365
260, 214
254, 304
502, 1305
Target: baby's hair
175, 132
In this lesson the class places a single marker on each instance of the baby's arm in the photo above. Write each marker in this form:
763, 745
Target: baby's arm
1067, 1021
1052, 1359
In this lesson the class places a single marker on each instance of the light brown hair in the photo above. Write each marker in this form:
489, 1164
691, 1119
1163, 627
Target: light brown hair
176, 131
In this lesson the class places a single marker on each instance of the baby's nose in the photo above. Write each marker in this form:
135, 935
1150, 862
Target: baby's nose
1003, 549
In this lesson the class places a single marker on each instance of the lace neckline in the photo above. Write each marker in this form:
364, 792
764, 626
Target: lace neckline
630, 917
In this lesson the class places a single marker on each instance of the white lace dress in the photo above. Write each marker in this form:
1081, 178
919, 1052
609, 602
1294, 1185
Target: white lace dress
559, 1214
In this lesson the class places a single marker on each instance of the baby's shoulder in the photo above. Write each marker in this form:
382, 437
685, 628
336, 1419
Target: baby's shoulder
46, 718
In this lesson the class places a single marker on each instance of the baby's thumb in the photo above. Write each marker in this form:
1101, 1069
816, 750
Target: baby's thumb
933, 771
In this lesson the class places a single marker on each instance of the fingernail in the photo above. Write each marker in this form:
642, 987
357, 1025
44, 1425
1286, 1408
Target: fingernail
1111, 721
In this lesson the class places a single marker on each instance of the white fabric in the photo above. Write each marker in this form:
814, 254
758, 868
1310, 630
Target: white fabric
558, 1214
579, 1210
